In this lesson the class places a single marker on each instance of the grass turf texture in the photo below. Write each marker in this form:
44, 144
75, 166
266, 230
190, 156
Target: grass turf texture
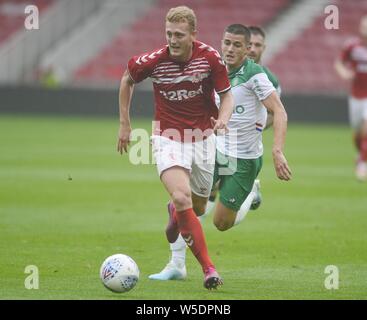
68, 200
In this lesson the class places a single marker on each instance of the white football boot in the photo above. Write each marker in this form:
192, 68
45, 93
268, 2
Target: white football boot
170, 272
258, 198
361, 171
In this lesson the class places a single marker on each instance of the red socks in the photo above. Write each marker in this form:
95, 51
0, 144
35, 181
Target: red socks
363, 148
361, 145
357, 142
192, 233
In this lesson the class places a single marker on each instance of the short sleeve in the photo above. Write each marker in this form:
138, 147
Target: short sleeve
345, 54
139, 68
261, 85
217, 99
219, 73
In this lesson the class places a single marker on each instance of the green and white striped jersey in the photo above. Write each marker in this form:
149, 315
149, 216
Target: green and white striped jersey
250, 85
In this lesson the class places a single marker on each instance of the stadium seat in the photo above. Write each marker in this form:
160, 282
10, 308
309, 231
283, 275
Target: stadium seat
147, 32
306, 65
12, 15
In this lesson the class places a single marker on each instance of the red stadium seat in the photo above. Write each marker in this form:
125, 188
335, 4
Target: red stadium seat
147, 32
12, 15
306, 64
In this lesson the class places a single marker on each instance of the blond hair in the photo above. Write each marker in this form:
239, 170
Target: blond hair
182, 14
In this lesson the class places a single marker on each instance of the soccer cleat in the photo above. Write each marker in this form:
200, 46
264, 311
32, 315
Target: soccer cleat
258, 198
212, 279
172, 230
361, 171
170, 272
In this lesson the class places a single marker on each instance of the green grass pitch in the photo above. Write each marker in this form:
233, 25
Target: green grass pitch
68, 200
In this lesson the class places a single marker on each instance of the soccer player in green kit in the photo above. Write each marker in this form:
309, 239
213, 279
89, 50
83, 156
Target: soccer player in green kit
257, 48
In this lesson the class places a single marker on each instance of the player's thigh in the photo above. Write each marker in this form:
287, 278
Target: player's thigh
224, 165
364, 116
203, 164
200, 182
215, 183
235, 188
174, 169
168, 153
356, 112
224, 217
232, 194
177, 183
214, 191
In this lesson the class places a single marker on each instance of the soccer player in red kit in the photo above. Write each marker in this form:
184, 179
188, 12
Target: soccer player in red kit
352, 66
185, 74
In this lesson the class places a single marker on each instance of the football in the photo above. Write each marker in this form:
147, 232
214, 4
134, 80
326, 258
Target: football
119, 273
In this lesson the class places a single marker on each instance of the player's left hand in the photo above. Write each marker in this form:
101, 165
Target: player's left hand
123, 139
219, 127
281, 166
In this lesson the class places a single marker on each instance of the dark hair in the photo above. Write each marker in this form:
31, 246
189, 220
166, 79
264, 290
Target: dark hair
239, 29
257, 30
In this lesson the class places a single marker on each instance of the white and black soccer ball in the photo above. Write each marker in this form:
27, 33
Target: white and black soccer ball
119, 273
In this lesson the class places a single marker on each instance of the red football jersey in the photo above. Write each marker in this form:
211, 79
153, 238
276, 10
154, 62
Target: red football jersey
355, 54
183, 91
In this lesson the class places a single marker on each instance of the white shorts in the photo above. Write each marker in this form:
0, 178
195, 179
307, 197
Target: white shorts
197, 157
357, 112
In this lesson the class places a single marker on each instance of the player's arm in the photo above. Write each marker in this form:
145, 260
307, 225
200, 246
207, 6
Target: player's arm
222, 87
274, 80
342, 60
269, 120
275, 106
125, 94
343, 71
225, 111
270, 117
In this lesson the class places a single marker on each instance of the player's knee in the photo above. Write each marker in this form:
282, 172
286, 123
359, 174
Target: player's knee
213, 195
222, 224
199, 208
198, 211
181, 200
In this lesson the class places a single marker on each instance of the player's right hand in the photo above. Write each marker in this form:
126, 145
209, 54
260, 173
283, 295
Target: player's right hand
123, 139
219, 127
